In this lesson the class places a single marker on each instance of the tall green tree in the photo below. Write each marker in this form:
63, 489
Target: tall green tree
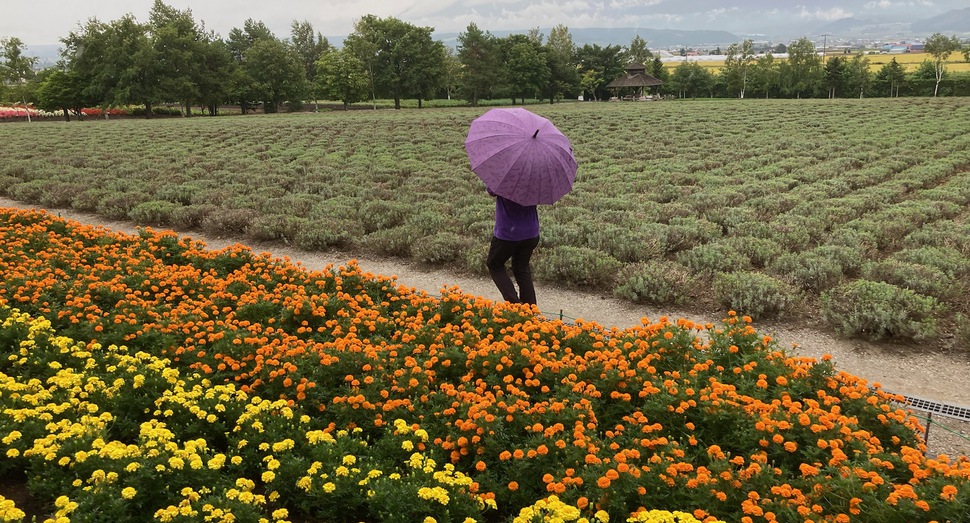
802, 72
85, 53
737, 66
242, 86
451, 81
276, 73
215, 73
940, 47
891, 76
479, 58
310, 47
765, 75
179, 44
61, 89
401, 59
16, 69
658, 70
526, 70
560, 52
606, 63
341, 76
923, 80
858, 76
836, 70
637, 52
690, 79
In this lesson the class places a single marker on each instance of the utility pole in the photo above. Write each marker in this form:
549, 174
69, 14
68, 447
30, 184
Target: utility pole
824, 42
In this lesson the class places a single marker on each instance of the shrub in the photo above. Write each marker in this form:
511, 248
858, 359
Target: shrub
395, 241
753, 293
923, 279
191, 216
710, 258
947, 259
153, 212
577, 266
379, 215
878, 310
117, 205
27, 191
685, 232
809, 270
228, 221
60, 194
759, 251
273, 227
313, 234
89, 199
945, 233
644, 242
438, 248
655, 283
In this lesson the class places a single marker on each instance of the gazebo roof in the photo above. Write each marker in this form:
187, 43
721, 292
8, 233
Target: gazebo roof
637, 79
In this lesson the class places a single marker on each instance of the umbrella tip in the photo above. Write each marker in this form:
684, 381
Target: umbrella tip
535, 133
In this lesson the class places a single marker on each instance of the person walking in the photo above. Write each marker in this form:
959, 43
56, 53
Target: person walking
515, 238
524, 161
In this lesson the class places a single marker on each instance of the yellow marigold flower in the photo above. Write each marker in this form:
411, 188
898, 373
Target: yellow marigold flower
349, 459
268, 476
305, 483
128, 492
329, 487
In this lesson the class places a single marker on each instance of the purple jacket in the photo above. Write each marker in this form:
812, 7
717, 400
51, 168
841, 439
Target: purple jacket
514, 222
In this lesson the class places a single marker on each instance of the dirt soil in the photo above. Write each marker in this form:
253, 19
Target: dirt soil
912, 370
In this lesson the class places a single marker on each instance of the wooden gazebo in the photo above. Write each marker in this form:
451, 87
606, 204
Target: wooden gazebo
637, 78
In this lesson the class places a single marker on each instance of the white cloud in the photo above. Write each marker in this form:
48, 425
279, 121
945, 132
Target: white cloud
835, 13
716, 14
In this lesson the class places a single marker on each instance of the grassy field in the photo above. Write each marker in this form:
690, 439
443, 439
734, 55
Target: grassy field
852, 210
909, 61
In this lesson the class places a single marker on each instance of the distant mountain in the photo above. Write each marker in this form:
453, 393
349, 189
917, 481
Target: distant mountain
656, 38
953, 21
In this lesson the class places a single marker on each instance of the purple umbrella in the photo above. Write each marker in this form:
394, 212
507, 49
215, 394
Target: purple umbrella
521, 156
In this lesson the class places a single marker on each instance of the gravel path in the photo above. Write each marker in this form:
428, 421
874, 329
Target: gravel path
911, 370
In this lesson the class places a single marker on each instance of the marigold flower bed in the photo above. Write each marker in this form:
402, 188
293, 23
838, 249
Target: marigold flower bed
148, 375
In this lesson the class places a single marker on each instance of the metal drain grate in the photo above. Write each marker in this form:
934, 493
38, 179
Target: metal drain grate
935, 407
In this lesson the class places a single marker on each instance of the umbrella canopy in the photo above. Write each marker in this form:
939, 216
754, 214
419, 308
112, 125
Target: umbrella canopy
521, 156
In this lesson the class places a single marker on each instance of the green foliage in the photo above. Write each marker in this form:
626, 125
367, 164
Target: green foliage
576, 266
923, 279
709, 258
227, 221
442, 247
396, 241
878, 310
947, 259
818, 269
655, 283
754, 294
153, 212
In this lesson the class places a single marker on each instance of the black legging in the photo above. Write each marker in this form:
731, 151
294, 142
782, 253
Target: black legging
520, 252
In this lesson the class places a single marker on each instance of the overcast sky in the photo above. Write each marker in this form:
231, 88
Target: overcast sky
46, 21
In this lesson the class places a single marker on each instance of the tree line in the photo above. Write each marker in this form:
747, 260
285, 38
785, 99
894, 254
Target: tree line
172, 59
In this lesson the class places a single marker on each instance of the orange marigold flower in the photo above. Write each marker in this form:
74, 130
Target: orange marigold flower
513, 485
